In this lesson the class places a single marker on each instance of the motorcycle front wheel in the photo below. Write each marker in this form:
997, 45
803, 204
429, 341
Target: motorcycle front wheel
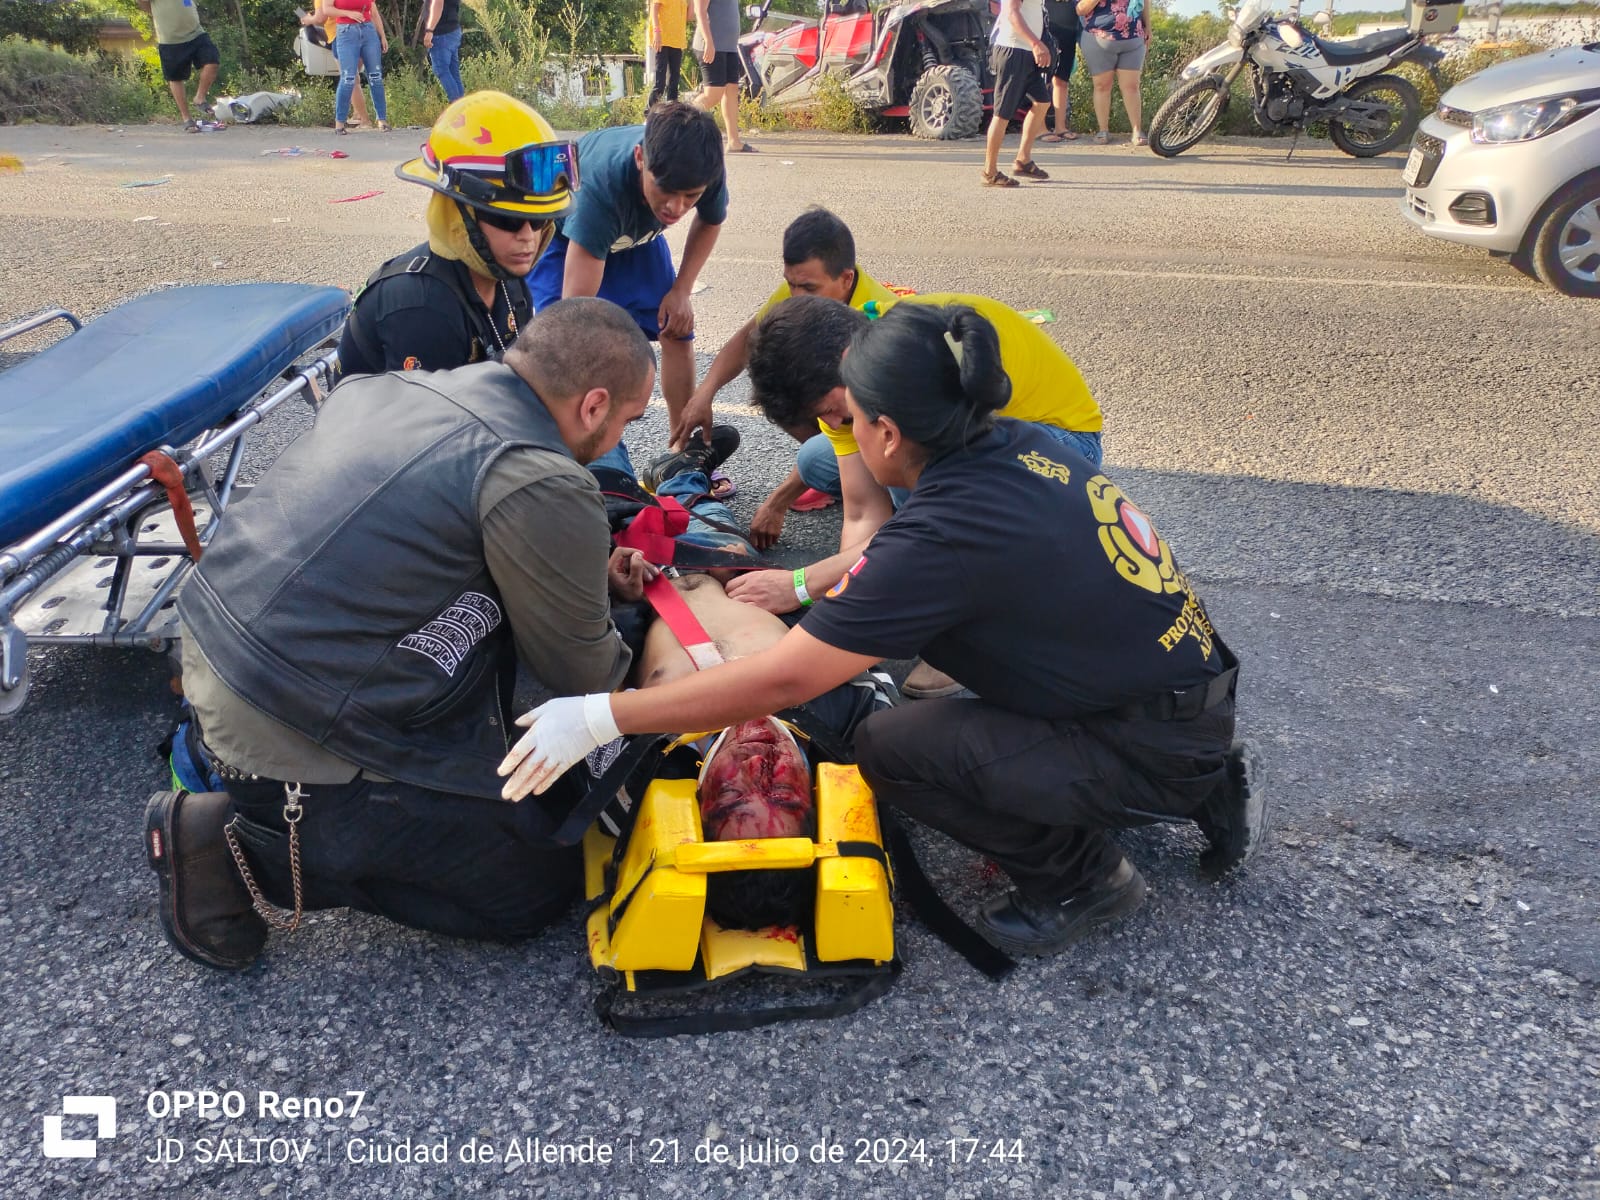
1405, 111
1186, 116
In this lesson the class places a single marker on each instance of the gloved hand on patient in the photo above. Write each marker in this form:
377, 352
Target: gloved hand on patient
561, 733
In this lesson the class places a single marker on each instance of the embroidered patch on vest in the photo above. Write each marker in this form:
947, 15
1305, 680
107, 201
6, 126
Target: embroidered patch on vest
449, 637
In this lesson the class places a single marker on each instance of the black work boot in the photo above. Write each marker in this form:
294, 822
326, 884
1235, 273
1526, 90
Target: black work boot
1235, 817
697, 455
1020, 924
205, 909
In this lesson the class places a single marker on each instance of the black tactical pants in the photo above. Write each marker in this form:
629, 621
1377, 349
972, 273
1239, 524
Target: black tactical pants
457, 865
1038, 796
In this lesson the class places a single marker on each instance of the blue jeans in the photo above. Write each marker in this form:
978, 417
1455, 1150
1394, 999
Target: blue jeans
820, 469
445, 56
357, 47
685, 487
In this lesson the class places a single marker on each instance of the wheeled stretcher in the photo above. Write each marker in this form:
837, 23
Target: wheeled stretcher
105, 439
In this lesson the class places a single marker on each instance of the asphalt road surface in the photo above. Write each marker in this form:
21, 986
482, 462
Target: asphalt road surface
1375, 454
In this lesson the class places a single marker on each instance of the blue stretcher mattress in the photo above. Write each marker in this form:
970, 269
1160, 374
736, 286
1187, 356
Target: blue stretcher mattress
159, 369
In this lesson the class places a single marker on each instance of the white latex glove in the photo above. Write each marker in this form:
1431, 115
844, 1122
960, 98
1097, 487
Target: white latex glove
560, 733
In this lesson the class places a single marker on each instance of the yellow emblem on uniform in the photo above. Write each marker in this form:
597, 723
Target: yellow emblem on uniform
1130, 541
1048, 467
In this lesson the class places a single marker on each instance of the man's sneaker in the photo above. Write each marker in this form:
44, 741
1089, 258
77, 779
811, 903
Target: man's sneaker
697, 455
205, 910
1235, 817
811, 500
1020, 924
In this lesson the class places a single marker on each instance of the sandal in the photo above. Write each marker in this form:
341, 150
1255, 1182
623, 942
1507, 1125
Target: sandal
340, 127
999, 179
1054, 137
723, 488
1138, 139
1101, 138
384, 127
1029, 170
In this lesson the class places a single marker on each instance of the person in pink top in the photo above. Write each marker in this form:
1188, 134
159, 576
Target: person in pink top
361, 44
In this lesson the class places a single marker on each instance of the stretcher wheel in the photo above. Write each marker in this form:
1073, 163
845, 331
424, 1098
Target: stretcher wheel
11, 699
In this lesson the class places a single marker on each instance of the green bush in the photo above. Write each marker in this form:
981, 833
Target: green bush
836, 110
45, 83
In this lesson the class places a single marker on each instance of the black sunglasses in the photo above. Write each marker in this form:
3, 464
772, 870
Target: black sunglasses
509, 222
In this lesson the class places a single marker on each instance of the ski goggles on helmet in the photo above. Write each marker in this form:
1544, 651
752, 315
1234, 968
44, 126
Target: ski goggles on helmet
533, 172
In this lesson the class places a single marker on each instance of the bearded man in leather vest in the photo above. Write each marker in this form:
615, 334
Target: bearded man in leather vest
352, 634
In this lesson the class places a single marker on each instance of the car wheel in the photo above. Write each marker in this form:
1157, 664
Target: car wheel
1566, 254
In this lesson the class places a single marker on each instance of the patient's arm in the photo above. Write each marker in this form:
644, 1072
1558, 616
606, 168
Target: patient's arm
737, 629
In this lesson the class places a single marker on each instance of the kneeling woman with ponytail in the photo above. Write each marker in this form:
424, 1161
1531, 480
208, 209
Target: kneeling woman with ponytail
1103, 697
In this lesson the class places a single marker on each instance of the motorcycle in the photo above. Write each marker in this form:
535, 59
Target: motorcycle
1297, 79
924, 60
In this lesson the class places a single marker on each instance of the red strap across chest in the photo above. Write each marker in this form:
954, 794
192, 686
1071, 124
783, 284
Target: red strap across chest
679, 617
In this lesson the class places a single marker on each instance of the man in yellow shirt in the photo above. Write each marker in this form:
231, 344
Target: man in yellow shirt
794, 362
819, 259
667, 36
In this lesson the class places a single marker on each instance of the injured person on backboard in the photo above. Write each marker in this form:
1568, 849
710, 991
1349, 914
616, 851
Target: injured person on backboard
755, 779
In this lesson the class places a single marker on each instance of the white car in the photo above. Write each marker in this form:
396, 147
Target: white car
1510, 162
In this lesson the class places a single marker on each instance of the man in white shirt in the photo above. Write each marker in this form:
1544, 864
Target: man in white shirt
1020, 57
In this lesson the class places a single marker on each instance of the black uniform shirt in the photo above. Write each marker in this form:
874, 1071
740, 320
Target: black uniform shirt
418, 323
1019, 569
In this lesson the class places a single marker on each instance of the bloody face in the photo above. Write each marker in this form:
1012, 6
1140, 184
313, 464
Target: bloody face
755, 785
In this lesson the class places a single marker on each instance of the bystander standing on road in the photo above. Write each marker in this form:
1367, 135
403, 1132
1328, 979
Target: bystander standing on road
718, 34
358, 98
1115, 35
441, 35
1062, 17
667, 36
1020, 56
361, 45
183, 45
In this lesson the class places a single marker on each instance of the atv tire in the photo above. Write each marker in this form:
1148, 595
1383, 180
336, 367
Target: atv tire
946, 104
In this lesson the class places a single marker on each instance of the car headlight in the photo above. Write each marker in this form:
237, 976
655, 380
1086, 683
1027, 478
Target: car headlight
1523, 121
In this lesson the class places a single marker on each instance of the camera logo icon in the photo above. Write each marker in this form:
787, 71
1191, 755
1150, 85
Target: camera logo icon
102, 1108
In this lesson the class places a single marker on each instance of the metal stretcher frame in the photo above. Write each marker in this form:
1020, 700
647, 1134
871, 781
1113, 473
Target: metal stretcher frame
128, 520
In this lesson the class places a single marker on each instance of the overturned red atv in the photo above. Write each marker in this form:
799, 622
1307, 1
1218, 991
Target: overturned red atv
925, 60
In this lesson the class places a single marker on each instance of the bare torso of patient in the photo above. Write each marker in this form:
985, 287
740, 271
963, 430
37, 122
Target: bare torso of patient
738, 630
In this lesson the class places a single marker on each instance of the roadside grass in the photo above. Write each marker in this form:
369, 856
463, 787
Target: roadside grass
45, 83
